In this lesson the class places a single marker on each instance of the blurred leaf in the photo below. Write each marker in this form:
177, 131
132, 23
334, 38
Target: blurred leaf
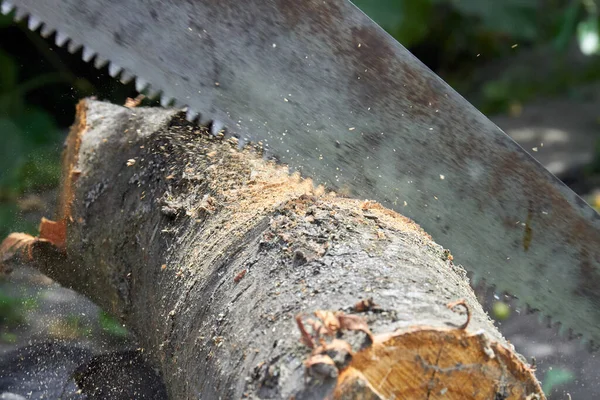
11, 151
555, 377
84, 87
8, 337
587, 36
30, 303
594, 166
569, 22
8, 72
595, 201
387, 13
497, 90
38, 127
511, 17
415, 23
406, 20
501, 310
7, 219
6, 20
70, 327
8, 84
11, 310
10, 221
40, 170
111, 326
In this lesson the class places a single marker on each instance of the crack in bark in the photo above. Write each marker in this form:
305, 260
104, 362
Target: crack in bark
237, 296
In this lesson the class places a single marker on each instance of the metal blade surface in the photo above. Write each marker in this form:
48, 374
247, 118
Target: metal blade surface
329, 93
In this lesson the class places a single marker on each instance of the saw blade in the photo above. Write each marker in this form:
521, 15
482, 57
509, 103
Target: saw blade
331, 94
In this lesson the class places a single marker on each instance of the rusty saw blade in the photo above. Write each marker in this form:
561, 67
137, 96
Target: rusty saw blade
330, 93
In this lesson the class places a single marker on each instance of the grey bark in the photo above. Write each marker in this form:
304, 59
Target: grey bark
164, 221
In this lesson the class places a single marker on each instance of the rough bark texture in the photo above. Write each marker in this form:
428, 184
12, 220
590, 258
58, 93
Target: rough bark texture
208, 253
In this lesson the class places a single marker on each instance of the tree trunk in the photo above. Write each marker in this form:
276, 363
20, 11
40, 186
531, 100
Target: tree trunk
243, 281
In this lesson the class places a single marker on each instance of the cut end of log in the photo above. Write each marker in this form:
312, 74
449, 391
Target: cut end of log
416, 362
432, 362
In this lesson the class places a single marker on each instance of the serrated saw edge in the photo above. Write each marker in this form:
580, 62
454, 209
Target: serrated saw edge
121, 74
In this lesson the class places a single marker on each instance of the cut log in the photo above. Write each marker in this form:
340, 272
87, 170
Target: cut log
241, 280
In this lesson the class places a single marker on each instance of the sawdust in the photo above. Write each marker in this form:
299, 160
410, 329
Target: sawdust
250, 186
239, 187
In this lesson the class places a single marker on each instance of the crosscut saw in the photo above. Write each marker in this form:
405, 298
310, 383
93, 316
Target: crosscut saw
331, 94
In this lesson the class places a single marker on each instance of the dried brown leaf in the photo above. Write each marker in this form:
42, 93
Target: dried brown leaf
318, 328
13, 243
134, 102
365, 305
354, 323
329, 319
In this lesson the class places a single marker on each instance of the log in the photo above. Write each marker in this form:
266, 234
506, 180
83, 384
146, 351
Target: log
241, 280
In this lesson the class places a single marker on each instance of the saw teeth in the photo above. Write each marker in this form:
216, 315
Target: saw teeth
46, 31
562, 331
191, 115
100, 62
586, 341
19, 14
6, 8
152, 93
73, 47
87, 54
60, 39
530, 310
177, 104
475, 279
165, 101
267, 154
204, 120
215, 127
140, 84
241, 143
572, 335
33, 23
114, 70
126, 77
